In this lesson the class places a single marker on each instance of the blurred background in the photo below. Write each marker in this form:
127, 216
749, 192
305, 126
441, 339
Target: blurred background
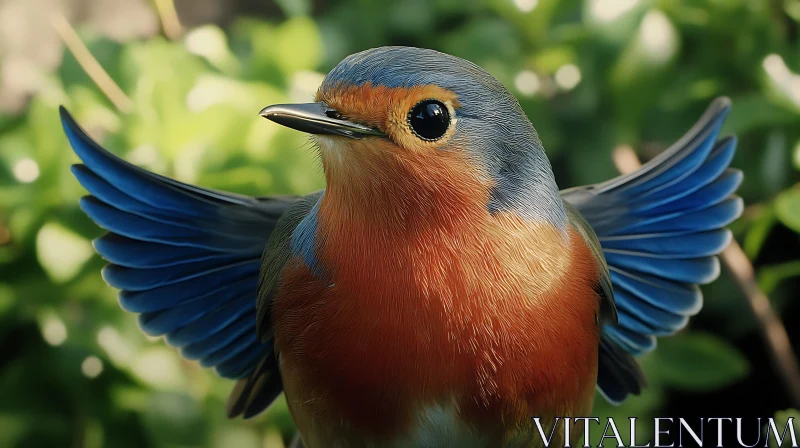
174, 86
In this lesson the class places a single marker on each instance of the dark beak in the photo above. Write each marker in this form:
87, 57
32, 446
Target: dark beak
316, 118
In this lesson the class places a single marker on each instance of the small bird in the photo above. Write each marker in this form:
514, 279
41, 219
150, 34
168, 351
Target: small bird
441, 291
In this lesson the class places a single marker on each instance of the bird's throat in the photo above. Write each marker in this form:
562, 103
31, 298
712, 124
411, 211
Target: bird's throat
378, 184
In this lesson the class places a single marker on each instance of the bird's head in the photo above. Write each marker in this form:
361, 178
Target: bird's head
401, 122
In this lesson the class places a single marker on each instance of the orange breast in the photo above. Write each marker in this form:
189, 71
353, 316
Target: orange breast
487, 313
387, 334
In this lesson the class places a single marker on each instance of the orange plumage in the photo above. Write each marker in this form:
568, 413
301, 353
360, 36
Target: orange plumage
428, 299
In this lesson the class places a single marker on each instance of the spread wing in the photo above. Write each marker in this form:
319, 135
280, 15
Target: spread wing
186, 260
660, 229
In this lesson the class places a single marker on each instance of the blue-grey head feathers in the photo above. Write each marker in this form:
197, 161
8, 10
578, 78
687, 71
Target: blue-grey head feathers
491, 124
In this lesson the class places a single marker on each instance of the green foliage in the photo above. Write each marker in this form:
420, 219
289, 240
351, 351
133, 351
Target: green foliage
589, 74
699, 362
787, 207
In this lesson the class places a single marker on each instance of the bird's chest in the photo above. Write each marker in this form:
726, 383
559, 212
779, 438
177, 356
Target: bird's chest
476, 332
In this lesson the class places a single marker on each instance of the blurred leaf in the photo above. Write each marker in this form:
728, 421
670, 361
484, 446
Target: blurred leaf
787, 208
159, 367
412, 16
769, 277
61, 252
236, 436
774, 168
488, 41
174, 419
643, 64
297, 45
553, 58
295, 7
796, 156
754, 111
211, 43
699, 362
782, 81
758, 232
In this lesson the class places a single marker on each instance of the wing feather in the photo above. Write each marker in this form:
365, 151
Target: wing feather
660, 229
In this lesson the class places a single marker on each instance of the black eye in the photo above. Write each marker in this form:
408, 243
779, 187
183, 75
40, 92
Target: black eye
429, 119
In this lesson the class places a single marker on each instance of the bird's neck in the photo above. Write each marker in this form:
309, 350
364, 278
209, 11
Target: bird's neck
380, 189
524, 183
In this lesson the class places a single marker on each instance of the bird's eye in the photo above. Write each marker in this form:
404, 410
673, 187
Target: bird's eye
429, 120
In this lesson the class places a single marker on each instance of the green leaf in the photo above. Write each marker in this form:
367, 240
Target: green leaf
774, 169
174, 418
235, 436
294, 8
61, 252
211, 43
787, 208
298, 45
757, 234
699, 362
159, 368
754, 111
551, 59
769, 277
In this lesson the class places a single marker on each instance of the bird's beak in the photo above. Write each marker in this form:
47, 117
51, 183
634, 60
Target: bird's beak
316, 118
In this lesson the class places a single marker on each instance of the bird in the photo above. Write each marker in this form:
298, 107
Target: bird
441, 290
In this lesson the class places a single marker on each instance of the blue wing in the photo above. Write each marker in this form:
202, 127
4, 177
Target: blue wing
660, 229
186, 259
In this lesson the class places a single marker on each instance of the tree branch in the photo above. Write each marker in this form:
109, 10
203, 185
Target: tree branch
169, 18
90, 65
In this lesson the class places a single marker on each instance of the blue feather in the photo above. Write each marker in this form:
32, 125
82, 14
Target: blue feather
678, 169
241, 365
145, 229
633, 342
123, 251
153, 189
132, 279
696, 219
174, 316
303, 239
712, 193
212, 322
661, 228
644, 324
664, 321
253, 395
688, 270
179, 294
185, 257
222, 340
618, 374
174, 293
108, 194
717, 162
682, 158
675, 297
693, 245
225, 353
